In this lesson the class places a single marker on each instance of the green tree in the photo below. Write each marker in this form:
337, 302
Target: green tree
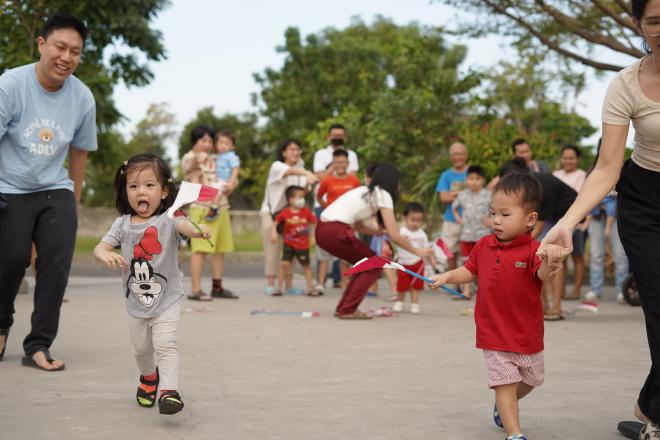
152, 134
361, 68
589, 32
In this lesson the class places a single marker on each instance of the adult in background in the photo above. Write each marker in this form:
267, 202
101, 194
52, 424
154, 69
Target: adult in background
287, 170
450, 183
557, 198
47, 115
633, 95
521, 148
368, 209
323, 166
573, 176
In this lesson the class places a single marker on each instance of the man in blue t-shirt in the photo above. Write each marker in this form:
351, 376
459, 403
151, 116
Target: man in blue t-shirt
450, 183
46, 116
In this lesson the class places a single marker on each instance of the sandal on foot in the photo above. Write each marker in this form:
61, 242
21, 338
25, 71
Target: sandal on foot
147, 399
496, 417
4, 332
200, 296
313, 293
355, 315
553, 317
170, 403
28, 361
223, 293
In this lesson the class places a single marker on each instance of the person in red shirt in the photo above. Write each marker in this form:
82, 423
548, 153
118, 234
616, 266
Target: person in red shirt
294, 221
332, 186
509, 311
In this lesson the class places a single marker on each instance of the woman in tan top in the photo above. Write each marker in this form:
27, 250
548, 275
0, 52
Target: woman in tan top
633, 95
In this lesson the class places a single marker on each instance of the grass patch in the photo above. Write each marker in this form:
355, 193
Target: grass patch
246, 241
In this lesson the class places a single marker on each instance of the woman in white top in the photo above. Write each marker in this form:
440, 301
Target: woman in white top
574, 177
633, 95
367, 209
286, 171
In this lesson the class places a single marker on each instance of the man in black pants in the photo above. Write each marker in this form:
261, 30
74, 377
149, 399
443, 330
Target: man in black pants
46, 116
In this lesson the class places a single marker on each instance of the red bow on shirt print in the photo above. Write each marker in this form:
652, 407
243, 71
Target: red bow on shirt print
148, 246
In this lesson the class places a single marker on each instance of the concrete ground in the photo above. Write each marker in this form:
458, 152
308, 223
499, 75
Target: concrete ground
286, 378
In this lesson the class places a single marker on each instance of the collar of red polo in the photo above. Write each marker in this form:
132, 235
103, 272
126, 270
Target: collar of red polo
493, 241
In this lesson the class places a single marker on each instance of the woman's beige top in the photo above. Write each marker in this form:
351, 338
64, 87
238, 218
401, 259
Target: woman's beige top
624, 102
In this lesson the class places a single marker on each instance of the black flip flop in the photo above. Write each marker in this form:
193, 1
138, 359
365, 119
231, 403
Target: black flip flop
630, 429
28, 361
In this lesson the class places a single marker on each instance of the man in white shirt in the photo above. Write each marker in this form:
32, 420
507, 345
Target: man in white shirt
322, 166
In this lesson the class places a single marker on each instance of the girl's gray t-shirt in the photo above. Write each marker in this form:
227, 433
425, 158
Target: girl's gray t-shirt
152, 282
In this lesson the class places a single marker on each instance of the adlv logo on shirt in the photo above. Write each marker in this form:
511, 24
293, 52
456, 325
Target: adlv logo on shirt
42, 135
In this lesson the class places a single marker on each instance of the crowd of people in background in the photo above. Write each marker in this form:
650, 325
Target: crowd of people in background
288, 223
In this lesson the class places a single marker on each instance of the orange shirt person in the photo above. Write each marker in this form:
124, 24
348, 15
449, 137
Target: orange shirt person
337, 183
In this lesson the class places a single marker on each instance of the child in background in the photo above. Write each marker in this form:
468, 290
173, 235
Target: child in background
149, 240
331, 188
413, 218
509, 311
227, 169
296, 219
471, 209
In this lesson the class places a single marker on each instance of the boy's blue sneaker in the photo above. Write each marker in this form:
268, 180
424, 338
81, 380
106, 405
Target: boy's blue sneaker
516, 437
496, 417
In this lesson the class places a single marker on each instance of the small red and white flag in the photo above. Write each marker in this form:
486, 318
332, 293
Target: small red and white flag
190, 193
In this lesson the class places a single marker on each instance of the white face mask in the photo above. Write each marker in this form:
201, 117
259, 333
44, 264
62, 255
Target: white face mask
299, 203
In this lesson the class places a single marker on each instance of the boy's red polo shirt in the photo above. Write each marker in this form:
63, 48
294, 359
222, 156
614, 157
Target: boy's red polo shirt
509, 311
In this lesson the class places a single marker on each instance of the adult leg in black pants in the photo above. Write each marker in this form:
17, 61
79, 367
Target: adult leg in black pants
639, 228
49, 219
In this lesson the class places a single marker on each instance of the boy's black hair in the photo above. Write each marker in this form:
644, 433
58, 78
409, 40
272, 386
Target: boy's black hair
199, 132
292, 190
523, 185
413, 207
140, 162
517, 165
476, 169
64, 20
578, 153
517, 142
339, 126
340, 152
226, 133
283, 146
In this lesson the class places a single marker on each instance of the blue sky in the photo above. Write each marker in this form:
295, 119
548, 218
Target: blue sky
214, 47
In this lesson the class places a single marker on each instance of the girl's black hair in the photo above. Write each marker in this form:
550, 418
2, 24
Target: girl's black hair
138, 163
386, 177
199, 132
638, 7
578, 153
285, 143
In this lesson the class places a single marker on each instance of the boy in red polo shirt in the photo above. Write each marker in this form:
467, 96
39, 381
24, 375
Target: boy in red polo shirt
296, 221
509, 311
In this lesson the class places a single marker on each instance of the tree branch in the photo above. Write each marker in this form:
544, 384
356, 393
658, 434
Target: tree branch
549, 43
578, 28
626, 22
625, 6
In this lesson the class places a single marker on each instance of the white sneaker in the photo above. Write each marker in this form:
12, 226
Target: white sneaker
397, 307
319, 288
590, 297
620, 299
415, 309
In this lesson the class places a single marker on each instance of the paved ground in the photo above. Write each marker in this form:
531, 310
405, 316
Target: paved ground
285, 378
